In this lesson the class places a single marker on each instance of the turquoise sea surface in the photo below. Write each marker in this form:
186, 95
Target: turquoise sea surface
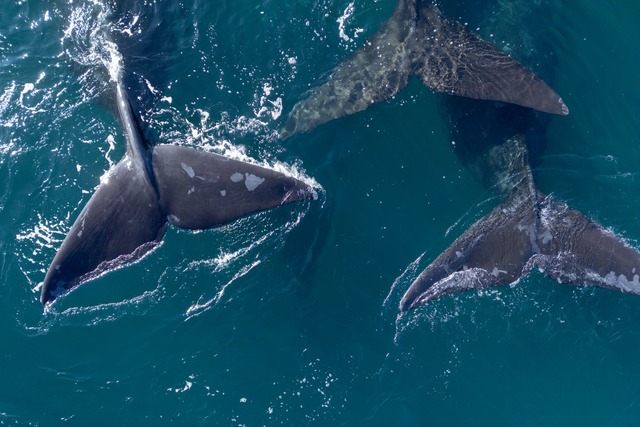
290, 316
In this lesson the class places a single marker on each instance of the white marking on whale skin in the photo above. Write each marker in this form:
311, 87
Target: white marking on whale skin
223, 193
530, 231
252, 182
459, 254
191, 190
497, 271
237, 177
174, 219
565, 109
621, 282
546, 237
188, 169
81, 227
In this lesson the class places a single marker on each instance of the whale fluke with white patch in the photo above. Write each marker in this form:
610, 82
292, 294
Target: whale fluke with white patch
529, 230
127, 215
418, 40
202, 190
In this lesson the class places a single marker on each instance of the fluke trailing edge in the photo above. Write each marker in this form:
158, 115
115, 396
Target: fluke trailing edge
529, 230
127, 215
418, 40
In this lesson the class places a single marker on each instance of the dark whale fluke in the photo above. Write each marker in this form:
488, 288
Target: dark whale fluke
529, 230
127, 215
447, 57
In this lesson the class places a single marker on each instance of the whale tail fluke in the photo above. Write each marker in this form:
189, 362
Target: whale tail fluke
529, 230
127, 215
447, 57
578, 251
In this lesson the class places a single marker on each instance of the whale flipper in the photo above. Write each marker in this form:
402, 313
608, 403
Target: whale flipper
418, 40
200, 190
120, 223
529, 230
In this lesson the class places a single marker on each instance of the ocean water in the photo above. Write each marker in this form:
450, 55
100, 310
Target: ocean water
289, 317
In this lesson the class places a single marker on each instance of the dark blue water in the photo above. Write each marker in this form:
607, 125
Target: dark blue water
289, 317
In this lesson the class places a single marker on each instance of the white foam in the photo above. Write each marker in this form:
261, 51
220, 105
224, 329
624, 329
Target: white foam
5, 98
346, 15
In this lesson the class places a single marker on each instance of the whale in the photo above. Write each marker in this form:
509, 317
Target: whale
155, 185
528, 230
418, 40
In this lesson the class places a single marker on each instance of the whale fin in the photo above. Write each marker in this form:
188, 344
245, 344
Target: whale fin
529, 230
126, 217
578, 251
200, 190
493, 251
120, 224
459, 62
375, 72
417, 39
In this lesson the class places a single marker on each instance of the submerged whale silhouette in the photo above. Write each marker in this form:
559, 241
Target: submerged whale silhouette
151, 186
418, 40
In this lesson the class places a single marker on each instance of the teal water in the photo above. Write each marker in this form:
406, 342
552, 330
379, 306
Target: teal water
289, 317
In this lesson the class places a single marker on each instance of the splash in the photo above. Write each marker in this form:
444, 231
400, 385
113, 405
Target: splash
86, 41
267, 106
411, 271
342, 20
316, 387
